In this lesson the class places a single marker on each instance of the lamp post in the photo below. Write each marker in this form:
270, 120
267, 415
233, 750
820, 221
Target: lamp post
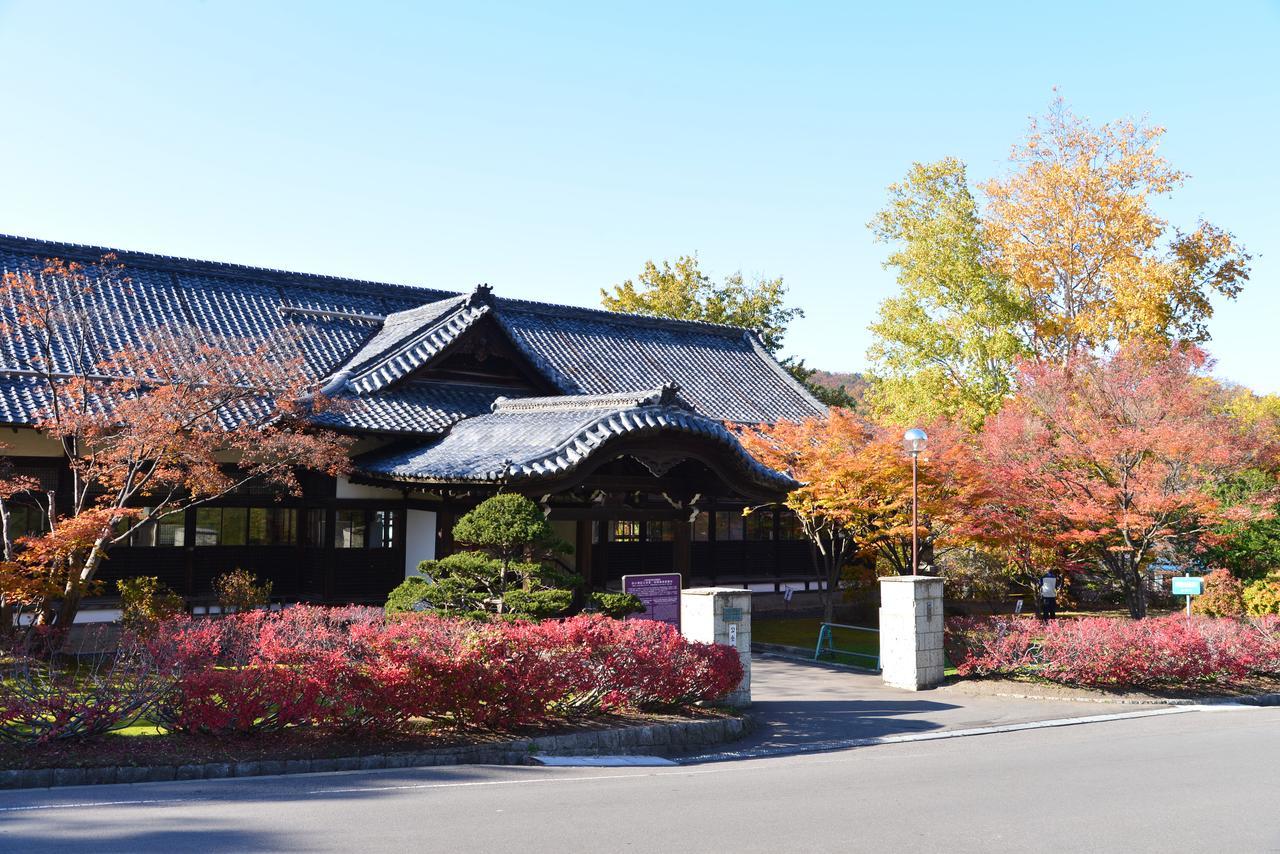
914, 440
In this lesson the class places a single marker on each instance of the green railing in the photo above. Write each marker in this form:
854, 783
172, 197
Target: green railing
826, 643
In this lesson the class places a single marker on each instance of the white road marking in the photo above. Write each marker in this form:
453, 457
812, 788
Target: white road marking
602, 761
86, 804
475, 783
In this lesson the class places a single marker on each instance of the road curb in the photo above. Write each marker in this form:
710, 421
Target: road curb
657, 739
1247, 700
873, 741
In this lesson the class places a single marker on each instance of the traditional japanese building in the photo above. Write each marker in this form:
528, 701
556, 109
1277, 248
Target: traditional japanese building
614, 423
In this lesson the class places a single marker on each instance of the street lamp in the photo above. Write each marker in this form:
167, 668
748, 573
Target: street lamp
914, 440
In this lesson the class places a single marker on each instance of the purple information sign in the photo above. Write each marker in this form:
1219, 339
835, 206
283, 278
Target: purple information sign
660, 595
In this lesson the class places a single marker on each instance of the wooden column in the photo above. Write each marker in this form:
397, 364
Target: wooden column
582, 548
444, 533
683, 551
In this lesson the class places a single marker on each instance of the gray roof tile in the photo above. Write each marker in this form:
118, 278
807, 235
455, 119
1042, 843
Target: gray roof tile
536, 438
386, 331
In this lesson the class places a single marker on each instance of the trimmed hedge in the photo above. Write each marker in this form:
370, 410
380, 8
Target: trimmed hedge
352, 671
1167, 651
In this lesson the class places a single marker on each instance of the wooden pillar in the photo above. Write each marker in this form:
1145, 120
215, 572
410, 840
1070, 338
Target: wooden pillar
683, 550
444, 533
582, 548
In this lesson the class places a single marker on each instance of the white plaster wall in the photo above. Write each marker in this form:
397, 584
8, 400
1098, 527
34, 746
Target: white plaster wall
419, 539
28, 443
567, 531
347, 489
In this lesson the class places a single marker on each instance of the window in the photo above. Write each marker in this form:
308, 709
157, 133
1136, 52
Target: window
728, 525
315, 527
702, 527
789, 527
245, 526
25, 520
272, 526
384, 529
235, 523
171, 530
662, 532
625, 532
759, 525
348, 529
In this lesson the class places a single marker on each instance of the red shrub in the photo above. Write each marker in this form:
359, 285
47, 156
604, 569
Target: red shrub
49, 698
1096, 652
351, 671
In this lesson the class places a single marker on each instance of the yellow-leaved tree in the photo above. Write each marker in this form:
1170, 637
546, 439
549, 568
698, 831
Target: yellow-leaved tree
1073, 230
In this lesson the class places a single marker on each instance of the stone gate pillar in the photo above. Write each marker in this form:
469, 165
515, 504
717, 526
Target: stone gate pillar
721, 615
911, 652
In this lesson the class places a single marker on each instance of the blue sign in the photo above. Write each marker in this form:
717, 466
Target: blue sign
1187, 585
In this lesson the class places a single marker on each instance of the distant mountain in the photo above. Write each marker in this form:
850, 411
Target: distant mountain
854, 384
835, 379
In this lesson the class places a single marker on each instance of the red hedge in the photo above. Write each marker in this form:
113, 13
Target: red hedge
351, 671
1098, 652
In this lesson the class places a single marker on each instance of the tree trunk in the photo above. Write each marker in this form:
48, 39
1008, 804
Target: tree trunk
65, 614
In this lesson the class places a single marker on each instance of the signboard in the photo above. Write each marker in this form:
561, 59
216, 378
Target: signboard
1187, 585
660, 594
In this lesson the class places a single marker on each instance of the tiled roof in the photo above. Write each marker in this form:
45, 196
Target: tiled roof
549, 437
383, 332
412, 408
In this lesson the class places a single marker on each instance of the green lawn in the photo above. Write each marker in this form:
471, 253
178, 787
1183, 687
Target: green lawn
802, 632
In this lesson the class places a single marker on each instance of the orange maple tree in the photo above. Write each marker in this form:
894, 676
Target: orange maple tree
1109, 460
177, 417
855, 493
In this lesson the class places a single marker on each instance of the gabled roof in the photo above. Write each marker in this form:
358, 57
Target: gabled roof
409, 339
382, 332
545, 438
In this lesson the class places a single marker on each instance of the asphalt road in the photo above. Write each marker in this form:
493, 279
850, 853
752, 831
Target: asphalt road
1199, 781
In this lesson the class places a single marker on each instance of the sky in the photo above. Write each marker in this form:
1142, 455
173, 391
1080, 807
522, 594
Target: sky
550, 149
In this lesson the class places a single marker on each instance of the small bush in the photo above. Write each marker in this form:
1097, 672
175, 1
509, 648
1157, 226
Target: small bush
537, 604
1223, 596
409, 596
617, 605
240, 590
1262, 596
145, 601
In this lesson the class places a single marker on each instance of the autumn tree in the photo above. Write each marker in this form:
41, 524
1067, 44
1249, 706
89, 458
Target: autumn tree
682, 291
175, 418
1073, 230
1118, 458
1066, 257
855, 497
946, 345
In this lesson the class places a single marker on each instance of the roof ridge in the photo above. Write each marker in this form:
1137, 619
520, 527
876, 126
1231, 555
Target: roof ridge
664, 395
630, 318
168, 263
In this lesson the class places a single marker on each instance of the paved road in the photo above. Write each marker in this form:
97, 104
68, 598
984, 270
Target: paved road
1193, 781
799, 704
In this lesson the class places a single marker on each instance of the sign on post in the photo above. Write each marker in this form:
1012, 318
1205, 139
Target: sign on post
1187, 585
660, 594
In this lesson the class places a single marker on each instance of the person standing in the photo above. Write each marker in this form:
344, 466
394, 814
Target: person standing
1049, 585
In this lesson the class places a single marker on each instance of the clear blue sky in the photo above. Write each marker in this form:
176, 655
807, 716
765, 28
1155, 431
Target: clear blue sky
550, 151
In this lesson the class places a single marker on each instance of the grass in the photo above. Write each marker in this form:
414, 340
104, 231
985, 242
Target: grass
802, 632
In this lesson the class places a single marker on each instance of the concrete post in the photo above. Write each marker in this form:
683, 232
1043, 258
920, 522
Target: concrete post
721, 615
911, 652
